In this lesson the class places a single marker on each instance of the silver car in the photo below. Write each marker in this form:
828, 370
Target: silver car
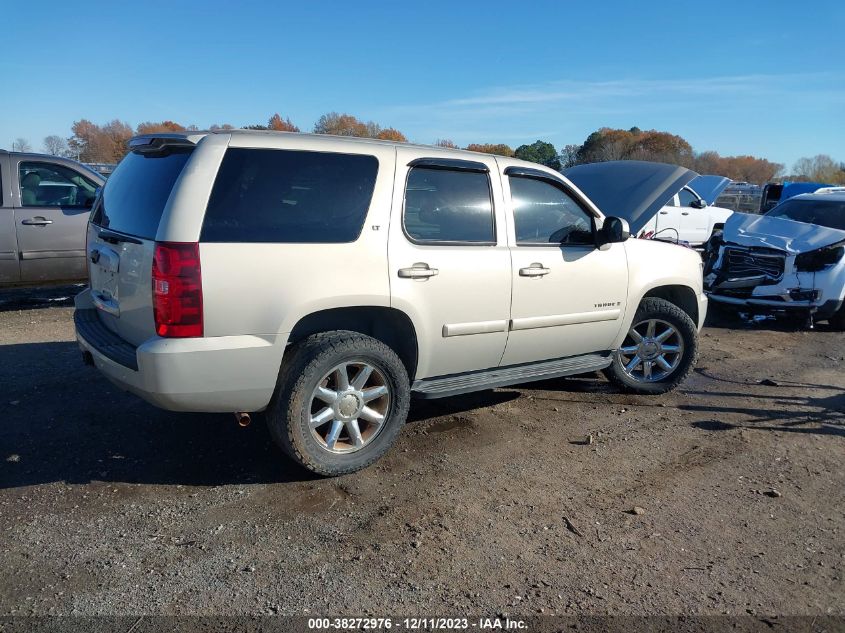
44, 206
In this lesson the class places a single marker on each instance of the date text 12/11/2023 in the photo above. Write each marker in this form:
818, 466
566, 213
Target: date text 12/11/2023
414, 624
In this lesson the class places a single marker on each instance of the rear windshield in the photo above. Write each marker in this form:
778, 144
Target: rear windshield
271, 195
829, 213
135, 194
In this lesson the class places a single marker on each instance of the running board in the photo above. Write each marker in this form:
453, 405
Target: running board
456, 384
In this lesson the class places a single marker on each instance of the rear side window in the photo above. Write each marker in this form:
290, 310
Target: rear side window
271, 195
136, 193
444, 205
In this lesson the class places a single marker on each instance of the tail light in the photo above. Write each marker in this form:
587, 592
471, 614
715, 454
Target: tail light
177, 289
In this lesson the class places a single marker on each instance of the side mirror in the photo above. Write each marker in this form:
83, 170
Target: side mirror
613, 231
698, 203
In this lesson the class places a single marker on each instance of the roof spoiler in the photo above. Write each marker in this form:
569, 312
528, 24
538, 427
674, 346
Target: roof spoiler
147, 143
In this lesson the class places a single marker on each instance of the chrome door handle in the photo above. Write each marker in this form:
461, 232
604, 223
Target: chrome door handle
37, 221
684, 212
664, 213
420, 270
534, 270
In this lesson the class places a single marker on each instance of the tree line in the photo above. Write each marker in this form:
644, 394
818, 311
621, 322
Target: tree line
107, 143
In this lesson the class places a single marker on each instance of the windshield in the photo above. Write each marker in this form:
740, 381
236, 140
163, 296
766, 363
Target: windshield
829, 213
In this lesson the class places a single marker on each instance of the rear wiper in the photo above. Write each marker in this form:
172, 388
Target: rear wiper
115, 238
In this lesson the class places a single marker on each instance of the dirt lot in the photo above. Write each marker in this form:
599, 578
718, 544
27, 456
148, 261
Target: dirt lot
491, 503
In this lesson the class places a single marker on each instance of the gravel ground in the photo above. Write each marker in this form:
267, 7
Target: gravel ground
561, 497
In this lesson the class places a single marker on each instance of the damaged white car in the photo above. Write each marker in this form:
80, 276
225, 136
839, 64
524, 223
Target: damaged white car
789, 261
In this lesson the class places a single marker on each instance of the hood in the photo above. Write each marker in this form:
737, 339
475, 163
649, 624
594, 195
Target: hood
709, 187
633, 190
786, 235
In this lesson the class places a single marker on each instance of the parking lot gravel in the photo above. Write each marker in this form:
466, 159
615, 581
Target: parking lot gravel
559, 497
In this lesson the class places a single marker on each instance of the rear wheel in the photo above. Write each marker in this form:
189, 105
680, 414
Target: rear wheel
342, 400
659, 351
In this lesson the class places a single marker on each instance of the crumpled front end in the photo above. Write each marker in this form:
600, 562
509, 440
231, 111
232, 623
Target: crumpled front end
764, 280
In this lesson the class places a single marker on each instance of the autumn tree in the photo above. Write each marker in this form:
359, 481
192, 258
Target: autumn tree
20, 144
500, 149
343, 125
445, 142
820, 168
55, 145
569, 155
279, 124
539, 152
742, 168
635, 144
166, 127
92, 143
391, 134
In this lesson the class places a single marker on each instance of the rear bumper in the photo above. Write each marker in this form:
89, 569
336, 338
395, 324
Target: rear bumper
214, 374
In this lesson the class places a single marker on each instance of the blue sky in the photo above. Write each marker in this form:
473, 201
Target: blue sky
765, 78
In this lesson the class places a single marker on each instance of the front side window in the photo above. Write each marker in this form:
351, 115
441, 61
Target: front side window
687, 197
53, 185
445, 205
287, 196
546, 214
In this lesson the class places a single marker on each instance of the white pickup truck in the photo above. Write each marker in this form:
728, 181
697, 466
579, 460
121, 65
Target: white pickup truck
689, 216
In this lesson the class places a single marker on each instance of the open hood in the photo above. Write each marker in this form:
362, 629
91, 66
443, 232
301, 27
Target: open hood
786, 235
633, 190
709, 187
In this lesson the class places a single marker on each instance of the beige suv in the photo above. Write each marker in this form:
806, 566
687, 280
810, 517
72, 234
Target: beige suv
327, 280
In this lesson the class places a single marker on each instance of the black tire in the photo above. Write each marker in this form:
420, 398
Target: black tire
289, 413
837, 321
662, 310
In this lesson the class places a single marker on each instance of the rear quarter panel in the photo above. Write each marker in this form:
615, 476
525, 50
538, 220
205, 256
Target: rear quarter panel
264, 289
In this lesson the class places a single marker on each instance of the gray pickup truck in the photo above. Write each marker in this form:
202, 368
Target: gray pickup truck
44, 207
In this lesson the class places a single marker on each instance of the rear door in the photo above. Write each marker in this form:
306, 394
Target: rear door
122, 233
449, 260
9, 267
53, 204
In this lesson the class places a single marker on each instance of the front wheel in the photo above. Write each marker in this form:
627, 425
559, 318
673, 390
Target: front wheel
837, 321
659, 351
341, 401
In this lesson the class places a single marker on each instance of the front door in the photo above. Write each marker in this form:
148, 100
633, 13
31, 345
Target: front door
568, 295
694, 221
9, 267
51, 218
449, 261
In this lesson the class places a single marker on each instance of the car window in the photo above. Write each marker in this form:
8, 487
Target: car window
673, 201
829, 213
271, 195
53, 185
544, 214
445, 205
135, 195
686, 197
